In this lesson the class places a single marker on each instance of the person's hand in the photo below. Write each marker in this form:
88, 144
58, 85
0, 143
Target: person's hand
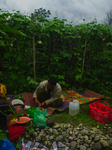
43, 104
36, 100
37, 103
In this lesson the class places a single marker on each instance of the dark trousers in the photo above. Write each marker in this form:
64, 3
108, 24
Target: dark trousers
42, 96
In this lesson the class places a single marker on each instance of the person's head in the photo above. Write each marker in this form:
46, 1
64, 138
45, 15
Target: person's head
18, 107
51, 83
18, 104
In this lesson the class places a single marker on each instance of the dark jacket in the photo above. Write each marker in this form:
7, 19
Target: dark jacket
5, 110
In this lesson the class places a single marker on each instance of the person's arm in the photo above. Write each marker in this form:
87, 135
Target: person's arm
6, 107
39, 87
35, 93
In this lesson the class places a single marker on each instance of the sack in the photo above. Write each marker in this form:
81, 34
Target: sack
31, 111
40, 111
29, 145
39, 118
5, 144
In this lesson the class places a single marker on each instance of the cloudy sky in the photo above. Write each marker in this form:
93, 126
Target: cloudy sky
72, 10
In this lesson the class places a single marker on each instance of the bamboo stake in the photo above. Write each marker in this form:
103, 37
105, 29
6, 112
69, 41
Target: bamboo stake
34, 61
84, 57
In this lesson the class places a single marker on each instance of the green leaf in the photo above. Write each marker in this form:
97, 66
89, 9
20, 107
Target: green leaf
82, 45
78, 76
65, 54
57, 58
19, 19
2, 43
62, 82
13, 76
31, 131
75, 48
4, 34
53, 75
109, 44
79, 37
46, 34
39, 42
8, 98
2, 19
16, 67
65, 95
2, 136
61, 77
31, 81
18, 11
19, 96
12, 30
14, 115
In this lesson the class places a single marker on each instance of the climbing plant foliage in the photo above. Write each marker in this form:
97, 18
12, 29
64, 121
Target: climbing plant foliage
60, 49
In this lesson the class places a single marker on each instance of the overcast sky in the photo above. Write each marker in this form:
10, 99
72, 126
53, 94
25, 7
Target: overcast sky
72, 10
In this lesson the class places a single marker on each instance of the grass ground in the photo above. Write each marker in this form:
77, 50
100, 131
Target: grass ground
82, 117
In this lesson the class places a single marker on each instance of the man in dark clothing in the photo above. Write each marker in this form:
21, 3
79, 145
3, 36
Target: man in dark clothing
48, 93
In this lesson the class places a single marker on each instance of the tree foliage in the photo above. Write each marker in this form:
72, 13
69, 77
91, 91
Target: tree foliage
60, 51
41, 13
108, 19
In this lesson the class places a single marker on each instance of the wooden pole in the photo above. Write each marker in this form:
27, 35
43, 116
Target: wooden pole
34, 61
84, 57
